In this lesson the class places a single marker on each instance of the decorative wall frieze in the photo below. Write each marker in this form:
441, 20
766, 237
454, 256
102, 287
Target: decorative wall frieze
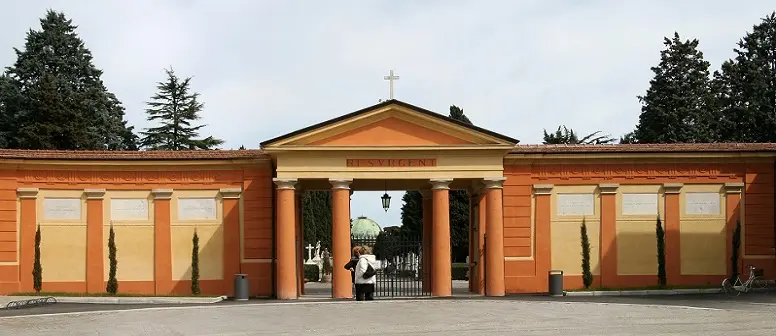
129, 177
630, 171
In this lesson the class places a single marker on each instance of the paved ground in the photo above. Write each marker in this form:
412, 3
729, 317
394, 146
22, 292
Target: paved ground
524, 315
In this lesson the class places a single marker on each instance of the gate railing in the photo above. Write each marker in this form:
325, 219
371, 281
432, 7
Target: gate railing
400, 267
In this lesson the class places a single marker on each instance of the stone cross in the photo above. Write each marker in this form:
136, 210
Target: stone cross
390, 78
310, 249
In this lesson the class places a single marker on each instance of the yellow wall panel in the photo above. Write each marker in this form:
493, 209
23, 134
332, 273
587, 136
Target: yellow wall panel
702, 236
211, 249
63, 253
636, 239
134, 252
566, 243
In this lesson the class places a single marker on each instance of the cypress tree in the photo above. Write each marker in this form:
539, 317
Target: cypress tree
316, 217
661, 253
587, 275
195, 264
113, 284
37, 269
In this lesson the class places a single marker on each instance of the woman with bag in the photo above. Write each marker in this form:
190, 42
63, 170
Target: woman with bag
365, 275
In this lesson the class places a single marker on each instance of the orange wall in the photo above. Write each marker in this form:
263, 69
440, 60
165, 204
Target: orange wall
254, 223
526, 267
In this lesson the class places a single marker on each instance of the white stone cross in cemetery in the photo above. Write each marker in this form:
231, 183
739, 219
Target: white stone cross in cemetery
310, 249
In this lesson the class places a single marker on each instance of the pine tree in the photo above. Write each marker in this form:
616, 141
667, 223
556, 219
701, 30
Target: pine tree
676, 107
195, 264
113, 285
567, 136
53, 97
37, 269
587, 275
175, 107
736, 251
628, 138
661, 253
745, 87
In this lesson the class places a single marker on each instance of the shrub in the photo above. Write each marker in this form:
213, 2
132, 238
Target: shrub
587, 276
661, 253
113, 285
37, 269
195, 264
311, 272
734, 255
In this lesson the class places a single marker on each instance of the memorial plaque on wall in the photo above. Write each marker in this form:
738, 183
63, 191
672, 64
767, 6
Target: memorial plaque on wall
197, 208
62, 208
576, 204
702, 203
639, 204
129, 209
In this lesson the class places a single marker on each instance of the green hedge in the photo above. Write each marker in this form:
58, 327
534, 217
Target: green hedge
311, 272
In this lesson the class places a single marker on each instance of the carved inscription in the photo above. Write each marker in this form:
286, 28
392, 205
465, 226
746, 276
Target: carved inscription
385, 163
576, 204
197, 208
639, 204
702, 203
129, 209
62, 208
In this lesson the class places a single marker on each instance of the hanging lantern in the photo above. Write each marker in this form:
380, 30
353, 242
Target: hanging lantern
386, 201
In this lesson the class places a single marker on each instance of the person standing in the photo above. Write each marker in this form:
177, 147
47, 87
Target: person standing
365, 274
351, 265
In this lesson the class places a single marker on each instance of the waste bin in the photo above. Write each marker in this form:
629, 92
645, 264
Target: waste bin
240, 287
556, 283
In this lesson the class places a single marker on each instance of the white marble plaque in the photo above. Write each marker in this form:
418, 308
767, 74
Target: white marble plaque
575, 204
197, 208
639, 204
62, 208
129, 209
702, 203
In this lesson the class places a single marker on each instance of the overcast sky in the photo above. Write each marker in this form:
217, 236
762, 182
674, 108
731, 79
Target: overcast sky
265, 68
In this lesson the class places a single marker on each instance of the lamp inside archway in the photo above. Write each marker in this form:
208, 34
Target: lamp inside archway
386, 199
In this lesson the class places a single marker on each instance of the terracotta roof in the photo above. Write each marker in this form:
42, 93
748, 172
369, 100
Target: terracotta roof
130, 155
645, 148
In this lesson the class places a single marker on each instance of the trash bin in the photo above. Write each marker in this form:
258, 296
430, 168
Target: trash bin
556, 283
240, 287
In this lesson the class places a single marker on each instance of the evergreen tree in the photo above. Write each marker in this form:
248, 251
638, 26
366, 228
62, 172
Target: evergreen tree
676, 107
567, 136
745, 87
37, 269
316, 217
53, 97
587, 275
412, 213
661, 253
175, 107
195, 264
112, 286
628, 138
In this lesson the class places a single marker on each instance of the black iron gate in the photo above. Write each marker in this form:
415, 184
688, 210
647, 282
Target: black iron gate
399, 260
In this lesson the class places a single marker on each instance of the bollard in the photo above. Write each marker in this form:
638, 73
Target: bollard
556, 283
240, 287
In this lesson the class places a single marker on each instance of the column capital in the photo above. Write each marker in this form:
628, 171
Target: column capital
231, 193
494, 182
28, 193
94, 194
285, 184
340, 183
543, 189
608, 188
734, 187
672, 188
162, 194
441, 183
426, 193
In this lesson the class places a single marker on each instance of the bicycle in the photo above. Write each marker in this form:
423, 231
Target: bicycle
735, 288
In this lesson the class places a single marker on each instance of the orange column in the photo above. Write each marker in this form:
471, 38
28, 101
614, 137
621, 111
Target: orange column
494, 240
94, 227
472, 264
542, 194
341, 287
428, 216
482, 220
285, 249
671, 224
27, 227
162, 242
608, 234
299, 243
441, 265
733, 211
231, 199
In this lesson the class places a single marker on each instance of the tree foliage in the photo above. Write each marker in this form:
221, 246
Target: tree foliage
587, 275
112, 286
316, 217
37, 269
53, 97
175, 107
195, 264
564, 135
660, 235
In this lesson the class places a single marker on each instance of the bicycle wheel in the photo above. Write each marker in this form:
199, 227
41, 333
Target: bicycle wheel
760, 285
728, 288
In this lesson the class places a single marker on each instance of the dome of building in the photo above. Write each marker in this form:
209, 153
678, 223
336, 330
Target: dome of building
364, 227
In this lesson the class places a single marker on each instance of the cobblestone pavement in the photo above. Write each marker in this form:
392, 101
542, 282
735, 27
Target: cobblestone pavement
414, 317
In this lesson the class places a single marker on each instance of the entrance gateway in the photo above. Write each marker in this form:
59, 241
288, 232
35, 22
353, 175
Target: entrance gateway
407, 148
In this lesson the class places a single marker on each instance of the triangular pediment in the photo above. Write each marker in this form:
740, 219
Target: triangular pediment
391, 124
